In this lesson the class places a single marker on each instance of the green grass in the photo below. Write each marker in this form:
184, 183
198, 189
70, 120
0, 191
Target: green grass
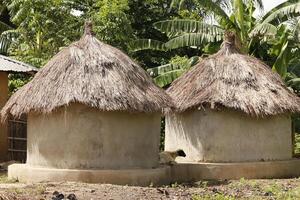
35, 190
4, 179
249, 189
214, 197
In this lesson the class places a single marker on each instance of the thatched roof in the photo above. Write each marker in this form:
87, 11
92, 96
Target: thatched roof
92, 73
230, 79
10, 65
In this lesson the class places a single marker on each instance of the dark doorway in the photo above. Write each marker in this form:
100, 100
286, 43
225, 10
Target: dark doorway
17, 139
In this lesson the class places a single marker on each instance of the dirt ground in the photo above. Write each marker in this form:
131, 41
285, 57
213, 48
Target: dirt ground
219, 190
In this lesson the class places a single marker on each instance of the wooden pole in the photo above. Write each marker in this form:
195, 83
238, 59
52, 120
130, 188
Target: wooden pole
3, 126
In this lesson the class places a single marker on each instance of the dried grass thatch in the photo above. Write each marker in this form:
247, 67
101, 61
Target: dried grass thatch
233, 80
92, 73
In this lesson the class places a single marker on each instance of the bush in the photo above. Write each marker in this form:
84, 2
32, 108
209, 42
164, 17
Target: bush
297, 143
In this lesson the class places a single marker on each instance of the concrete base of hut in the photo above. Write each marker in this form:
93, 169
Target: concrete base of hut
181, 172
140, 177
188, 172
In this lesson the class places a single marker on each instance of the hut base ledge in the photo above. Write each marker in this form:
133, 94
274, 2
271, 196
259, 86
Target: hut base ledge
140, 177
186, 172
181, 172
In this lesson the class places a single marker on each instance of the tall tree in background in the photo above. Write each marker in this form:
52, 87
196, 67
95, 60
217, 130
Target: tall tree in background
5, 25
233, 15
143, 14
42, 28
113, 23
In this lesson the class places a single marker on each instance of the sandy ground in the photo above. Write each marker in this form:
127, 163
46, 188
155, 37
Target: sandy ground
241, 189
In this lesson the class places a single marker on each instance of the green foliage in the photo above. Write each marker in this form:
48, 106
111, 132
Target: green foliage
16, 81
297, 144
215, 197
286, 48
143, 44
42, 28
143, 15
282, 12
5, 41
178, 26
112, 23
278, 38
4, 179
166, 74
279, 49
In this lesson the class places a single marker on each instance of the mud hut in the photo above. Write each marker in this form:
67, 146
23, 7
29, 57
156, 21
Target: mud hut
231, 107
93, 116
7, 66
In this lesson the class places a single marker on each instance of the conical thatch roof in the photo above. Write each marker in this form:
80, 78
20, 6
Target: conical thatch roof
92, 73
233, 80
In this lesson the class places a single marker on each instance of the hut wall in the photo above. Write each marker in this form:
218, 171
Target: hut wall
229, 136
79, 137
3, 126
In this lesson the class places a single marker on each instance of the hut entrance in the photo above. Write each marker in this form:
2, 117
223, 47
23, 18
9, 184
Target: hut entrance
17, 139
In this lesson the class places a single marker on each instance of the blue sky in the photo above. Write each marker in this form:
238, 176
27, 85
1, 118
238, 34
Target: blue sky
269, 4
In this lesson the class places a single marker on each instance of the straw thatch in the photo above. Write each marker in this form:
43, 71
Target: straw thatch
92, 73
230, 79
10, 65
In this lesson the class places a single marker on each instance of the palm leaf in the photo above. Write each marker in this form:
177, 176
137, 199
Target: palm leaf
157, 71
283, 13
143, 44
166, 74
295, 29
187, 26
259, 4
6, 39
211, 6
177, 4
294, 81
280, 65
192, 39
20, 15
239, 12
4, 27
4, 44
282, 5
263, 29
168, 77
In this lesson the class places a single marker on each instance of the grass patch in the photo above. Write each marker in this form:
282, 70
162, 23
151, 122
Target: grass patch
244, 183
29, 191
273, 189
4, 179
215, 197
210, 183
278, 192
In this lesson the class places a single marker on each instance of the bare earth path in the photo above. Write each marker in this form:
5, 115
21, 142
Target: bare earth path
241, 189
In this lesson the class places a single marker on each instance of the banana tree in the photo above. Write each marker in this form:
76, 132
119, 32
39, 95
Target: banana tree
280, 27
164, 75
192, 33
289, 51
234, 15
